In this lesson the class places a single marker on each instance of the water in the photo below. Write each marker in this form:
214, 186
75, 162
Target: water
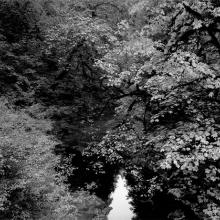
121, 209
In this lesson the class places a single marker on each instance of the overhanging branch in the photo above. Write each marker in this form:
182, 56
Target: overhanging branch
198, 16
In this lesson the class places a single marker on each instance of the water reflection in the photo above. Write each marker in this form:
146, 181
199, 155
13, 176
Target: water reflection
121, 208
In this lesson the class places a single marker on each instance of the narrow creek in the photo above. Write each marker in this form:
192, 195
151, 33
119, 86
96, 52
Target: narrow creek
121, 208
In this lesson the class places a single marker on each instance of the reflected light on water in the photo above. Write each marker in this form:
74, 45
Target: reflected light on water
121, 209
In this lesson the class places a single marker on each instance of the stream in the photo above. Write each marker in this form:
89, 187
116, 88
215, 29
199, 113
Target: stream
121, 208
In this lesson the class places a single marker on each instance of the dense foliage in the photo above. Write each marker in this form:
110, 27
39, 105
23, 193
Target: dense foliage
30, 187
138, 90
167, 73
35, 79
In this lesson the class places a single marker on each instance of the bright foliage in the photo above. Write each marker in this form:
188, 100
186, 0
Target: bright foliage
167, 75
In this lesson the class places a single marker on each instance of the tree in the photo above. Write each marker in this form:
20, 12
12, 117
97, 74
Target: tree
168, 79
30, 186
39, 61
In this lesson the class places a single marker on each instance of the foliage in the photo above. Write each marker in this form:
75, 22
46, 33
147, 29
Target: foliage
30, 186
28, 178
168, 108
138, 90
34, 72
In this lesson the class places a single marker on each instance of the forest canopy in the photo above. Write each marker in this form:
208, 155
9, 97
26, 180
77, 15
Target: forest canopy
85, 94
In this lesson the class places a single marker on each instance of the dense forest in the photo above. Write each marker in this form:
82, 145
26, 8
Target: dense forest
92, 87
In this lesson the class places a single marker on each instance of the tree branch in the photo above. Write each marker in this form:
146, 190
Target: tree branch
208, 29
